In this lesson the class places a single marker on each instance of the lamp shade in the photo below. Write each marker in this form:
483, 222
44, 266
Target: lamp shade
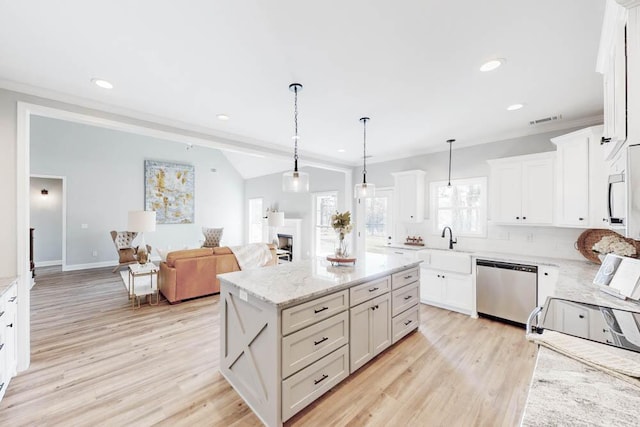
364, 190
295, 182
141, 221
276, 219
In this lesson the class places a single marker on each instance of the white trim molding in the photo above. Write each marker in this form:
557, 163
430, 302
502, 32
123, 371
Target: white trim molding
628, 4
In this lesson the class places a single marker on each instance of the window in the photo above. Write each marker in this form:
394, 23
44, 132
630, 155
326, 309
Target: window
463, 206
378, 219
325, 205
255, 220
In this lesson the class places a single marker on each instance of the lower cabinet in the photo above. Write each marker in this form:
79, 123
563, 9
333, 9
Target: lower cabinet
452, 291
547, 279
8, 353
370, 324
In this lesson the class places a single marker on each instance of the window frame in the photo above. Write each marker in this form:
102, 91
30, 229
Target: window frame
314, 219
482, 210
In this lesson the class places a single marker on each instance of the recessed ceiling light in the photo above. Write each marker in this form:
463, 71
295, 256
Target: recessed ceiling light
514, 107
222, 117
491, 65
341, 150
104, 84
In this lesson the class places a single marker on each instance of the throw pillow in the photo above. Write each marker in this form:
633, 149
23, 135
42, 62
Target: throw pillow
212, 237
127, 255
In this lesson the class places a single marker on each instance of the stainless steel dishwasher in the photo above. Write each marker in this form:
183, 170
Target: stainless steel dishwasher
505, 290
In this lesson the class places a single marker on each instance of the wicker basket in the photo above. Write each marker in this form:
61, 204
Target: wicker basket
590, 237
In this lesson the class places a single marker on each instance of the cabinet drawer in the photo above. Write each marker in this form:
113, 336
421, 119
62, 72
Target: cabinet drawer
310, 344
403, 278
402, 299
300, 316
307, 385
366, 291
404, 323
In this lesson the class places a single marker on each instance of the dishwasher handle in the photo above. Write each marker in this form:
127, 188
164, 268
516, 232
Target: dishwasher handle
507, 266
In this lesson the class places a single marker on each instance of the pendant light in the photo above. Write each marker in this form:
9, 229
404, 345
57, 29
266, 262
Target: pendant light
295, 181
364, 189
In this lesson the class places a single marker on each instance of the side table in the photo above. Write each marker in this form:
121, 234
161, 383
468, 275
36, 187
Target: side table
137, 286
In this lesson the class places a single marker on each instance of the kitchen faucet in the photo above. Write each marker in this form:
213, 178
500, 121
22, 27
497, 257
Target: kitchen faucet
452, 241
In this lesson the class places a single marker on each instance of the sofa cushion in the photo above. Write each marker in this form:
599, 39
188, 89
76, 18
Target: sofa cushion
212, 237
187, 253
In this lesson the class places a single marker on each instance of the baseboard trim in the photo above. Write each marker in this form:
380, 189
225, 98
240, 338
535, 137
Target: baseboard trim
48, 263
102, 264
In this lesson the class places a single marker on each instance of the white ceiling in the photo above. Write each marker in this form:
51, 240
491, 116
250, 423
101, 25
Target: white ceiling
411, 65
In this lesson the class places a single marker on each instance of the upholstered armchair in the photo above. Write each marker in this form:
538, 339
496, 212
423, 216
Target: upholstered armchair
123, 241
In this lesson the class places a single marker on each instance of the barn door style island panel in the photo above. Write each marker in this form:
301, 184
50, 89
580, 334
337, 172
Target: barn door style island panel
292, 332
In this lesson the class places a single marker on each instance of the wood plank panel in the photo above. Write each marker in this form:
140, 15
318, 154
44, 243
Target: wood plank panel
97, 362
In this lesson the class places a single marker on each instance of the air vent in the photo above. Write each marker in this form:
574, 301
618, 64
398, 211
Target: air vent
545, 120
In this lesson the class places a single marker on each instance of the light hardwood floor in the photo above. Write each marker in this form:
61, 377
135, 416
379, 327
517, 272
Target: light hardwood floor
97, 362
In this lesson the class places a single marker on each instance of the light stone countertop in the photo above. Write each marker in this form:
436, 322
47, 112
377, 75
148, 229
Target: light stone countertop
5, 283
292, 283
565, 392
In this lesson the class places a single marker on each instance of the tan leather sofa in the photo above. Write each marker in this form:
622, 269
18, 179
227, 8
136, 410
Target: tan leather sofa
193, 273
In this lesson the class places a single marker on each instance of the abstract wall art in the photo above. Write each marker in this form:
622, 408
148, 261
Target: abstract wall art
169, 190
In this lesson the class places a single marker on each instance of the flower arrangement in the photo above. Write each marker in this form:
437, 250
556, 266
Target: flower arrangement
341, 223
614, 244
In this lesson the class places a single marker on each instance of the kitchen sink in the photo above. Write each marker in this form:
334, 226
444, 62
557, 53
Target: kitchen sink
446, 260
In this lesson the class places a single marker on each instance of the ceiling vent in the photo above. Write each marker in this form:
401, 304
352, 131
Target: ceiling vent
545, 120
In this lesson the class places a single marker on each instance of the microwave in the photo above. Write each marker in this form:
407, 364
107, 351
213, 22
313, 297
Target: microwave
617, 195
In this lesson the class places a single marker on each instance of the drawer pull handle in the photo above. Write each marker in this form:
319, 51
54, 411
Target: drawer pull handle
399, 253
1, 386
10, 325
408, 277
408, 297
320, 310
407, 322
12, 299
1, 313
321, 341
1, 346
373, 289
374, 307
324, 377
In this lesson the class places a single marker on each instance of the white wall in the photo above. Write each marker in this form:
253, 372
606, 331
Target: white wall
468, 162
105, 179
46, 219
297, 205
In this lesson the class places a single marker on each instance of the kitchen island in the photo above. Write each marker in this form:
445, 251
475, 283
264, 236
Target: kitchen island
292, 332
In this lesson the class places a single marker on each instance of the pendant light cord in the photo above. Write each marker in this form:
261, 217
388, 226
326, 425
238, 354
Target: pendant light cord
295, 120
364, 153
450, 142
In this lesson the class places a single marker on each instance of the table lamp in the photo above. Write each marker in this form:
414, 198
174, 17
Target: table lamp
141, 221
275, 220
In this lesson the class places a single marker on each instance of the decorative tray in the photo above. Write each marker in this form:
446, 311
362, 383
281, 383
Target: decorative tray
338, 261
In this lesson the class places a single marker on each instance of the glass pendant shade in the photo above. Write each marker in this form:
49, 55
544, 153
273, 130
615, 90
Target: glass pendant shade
295, 182
364, 190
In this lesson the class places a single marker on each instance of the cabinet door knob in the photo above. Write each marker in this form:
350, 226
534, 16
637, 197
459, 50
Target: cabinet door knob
517, 217
524, 217
546, 274
580, 219
10, 325
581, 316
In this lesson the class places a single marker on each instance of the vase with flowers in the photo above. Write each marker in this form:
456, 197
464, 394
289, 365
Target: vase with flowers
341, 223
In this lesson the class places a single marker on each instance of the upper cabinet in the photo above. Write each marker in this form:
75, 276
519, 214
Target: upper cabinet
522, 189
615, 60
581, 179
409, 192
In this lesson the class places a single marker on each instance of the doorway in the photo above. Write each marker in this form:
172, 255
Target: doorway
47, 216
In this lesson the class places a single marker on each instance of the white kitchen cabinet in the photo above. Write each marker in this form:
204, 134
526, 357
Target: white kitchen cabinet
8, 344
446, 290
522, 189
409, 192
580, 179
370, 324
547, 279
612, 63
